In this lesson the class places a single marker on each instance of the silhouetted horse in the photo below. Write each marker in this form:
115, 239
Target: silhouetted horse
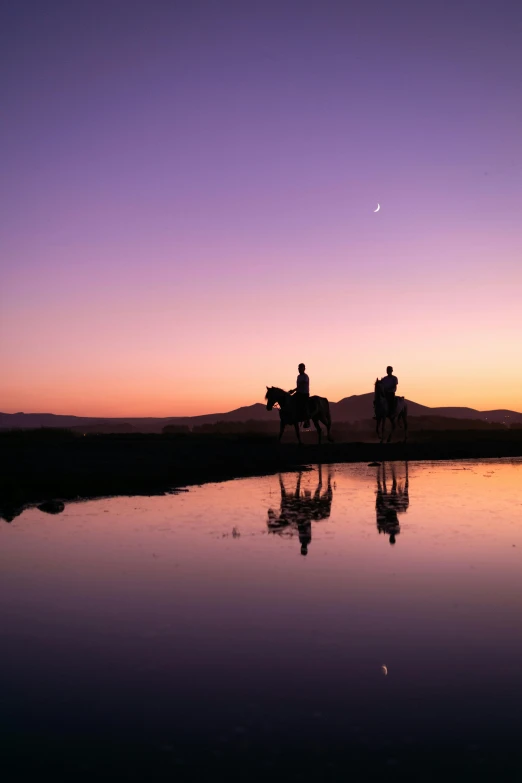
318, 408
400, 414
389, 504
298, 511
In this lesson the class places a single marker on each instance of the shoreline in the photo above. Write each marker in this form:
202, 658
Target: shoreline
39, 466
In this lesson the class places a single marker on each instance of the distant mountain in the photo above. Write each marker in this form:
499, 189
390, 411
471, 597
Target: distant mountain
355, 408
257, 411
360, 406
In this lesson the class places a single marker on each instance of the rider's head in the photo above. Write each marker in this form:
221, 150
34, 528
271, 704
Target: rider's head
301, 367
389, 370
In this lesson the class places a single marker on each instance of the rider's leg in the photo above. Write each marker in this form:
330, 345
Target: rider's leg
306, 407
302, 409
390, 399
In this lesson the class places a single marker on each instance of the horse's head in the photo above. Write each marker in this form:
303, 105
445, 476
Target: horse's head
379, 400
379, 391
270, 397
275, 394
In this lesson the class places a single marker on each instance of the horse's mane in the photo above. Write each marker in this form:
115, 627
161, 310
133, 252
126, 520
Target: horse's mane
274, 389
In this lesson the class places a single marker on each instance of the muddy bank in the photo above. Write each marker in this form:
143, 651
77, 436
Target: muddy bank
39, 466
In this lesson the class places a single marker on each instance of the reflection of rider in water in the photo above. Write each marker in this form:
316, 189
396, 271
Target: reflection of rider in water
305, 536
389, 504
299, 509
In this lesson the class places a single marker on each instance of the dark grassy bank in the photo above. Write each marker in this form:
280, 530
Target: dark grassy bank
38, 465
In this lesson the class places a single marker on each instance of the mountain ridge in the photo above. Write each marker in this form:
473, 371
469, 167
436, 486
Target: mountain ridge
356, 407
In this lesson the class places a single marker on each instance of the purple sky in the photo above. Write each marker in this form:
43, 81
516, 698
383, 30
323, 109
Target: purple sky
187, 199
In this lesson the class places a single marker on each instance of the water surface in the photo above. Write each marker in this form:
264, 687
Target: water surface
346, 619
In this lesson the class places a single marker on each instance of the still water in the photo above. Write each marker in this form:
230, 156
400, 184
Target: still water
346, 619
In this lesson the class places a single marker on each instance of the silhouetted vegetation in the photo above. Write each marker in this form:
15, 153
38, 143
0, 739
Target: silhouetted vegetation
176, 429
345, 431
251, 427
104, 428
37, 436
445, 423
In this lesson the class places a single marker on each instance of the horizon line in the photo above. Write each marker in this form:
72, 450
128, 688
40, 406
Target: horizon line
219, 413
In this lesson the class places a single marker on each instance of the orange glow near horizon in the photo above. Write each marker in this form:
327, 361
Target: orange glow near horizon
124, 355
143, 402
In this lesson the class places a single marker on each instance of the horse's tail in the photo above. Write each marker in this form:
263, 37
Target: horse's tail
403, 413
328, 420
327, 412
403, 418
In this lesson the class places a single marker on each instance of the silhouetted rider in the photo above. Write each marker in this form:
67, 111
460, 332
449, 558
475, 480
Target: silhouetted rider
304, 531
389, 385
302, 395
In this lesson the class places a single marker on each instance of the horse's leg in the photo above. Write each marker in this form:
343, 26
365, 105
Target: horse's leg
296, 425
318, 428
392, 430
282, 426
405, 420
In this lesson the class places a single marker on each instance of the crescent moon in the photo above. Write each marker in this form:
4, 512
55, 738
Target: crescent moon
378, 208
384, 670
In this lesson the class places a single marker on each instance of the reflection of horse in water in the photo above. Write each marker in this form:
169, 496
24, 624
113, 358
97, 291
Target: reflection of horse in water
389, 504
300, 508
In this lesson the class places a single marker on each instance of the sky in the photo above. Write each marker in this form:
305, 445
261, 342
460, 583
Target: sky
187, 199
